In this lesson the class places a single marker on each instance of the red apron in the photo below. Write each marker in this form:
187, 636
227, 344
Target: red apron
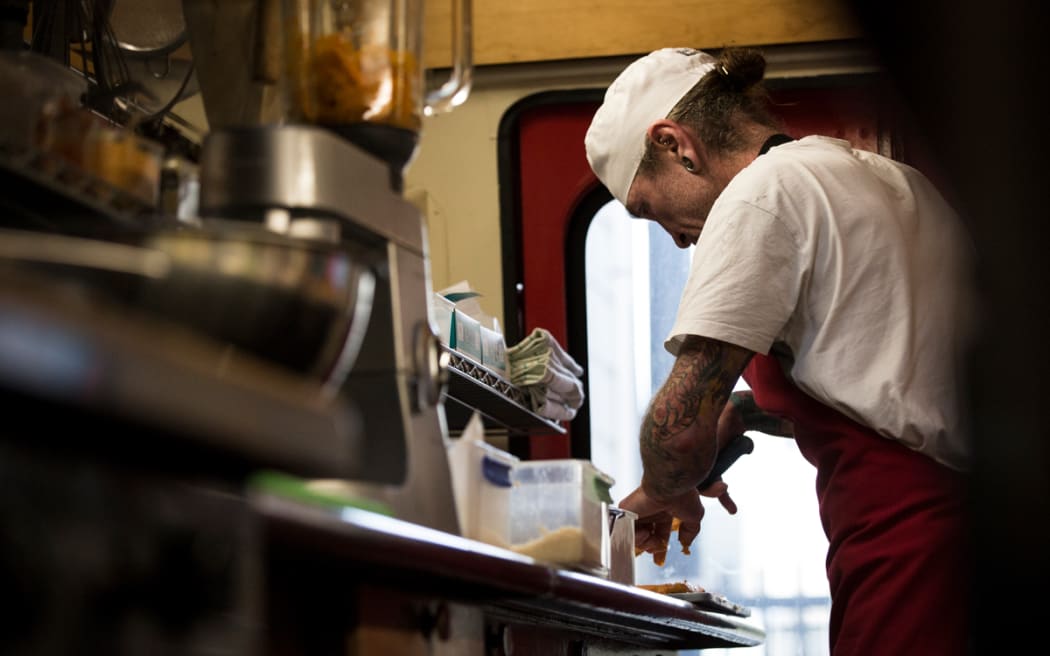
898, 558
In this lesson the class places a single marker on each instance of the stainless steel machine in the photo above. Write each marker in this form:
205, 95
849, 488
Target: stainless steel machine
330, 108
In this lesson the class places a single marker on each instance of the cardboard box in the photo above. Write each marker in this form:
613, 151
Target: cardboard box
466, 335
493, 351
441, 313
481, 484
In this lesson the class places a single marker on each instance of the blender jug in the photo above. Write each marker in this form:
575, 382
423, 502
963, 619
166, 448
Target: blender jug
356, 67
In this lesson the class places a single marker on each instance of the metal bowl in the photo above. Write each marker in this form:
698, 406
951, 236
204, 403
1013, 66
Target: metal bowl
301, 304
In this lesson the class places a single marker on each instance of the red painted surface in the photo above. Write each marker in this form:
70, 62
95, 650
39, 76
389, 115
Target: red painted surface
553, 175
847, 113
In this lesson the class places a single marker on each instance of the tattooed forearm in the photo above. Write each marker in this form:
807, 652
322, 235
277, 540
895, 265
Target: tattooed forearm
678, 433
665, 470
756, 419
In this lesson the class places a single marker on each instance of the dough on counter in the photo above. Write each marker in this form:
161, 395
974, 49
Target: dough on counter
671, 588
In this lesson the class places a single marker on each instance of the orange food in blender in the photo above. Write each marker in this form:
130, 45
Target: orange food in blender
348, 85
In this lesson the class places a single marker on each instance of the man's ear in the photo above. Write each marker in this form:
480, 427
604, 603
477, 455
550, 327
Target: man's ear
664, 134
673, 138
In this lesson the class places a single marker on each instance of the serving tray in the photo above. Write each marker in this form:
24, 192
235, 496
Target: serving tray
713, 603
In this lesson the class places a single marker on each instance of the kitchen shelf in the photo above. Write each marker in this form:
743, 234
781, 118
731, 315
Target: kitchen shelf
49, 194
502, 405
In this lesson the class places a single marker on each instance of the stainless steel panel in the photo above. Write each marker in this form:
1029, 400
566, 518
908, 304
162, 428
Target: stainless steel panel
305, 170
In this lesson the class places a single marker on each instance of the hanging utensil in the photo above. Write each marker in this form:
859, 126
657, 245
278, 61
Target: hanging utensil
151, 37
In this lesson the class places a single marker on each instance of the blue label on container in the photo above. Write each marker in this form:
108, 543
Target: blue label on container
495, 472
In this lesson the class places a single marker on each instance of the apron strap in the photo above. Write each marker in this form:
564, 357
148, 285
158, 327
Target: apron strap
775, 140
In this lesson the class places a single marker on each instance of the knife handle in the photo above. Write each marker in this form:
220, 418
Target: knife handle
737, 447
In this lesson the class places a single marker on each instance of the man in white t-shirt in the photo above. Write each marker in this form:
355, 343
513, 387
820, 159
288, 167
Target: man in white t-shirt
837, 283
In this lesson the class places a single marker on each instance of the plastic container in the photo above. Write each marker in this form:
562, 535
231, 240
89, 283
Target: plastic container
481, 483
357, 61
490, 505
559, 514
126, 161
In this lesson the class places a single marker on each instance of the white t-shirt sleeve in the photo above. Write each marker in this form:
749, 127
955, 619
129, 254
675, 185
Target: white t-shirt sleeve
744, 280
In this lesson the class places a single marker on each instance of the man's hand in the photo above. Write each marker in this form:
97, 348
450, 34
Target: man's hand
730, 422
679, 443
741, 413
720, 490
652, 529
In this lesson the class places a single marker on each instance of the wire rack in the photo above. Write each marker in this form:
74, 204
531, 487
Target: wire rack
502, 405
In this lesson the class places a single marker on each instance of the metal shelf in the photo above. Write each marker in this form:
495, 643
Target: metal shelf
48, 194
502, 405
64, 178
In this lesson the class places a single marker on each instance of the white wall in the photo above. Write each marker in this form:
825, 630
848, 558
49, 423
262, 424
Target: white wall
454, 177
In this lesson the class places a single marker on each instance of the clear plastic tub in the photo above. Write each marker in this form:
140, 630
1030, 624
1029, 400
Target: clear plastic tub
559, 514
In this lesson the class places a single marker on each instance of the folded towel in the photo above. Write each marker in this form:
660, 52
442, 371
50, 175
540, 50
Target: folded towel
564, 385
539, 365
549, 405
547, 372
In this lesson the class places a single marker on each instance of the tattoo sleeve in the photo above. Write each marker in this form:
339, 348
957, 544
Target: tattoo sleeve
678, 435
757, 419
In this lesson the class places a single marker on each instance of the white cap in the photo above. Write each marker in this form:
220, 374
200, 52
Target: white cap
645, 92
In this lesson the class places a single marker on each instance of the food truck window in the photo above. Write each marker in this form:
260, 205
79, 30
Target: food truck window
770, 556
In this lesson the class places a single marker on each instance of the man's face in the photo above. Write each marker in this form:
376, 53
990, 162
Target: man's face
677, 199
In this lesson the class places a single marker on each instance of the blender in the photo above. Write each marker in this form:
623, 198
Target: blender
355, 67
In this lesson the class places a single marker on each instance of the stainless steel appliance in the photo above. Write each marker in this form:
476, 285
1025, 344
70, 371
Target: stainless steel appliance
282, 176
327, 163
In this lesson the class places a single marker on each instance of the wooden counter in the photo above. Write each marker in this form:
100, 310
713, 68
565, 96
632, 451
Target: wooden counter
345, 565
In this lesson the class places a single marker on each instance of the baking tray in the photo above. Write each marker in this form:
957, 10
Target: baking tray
713, 603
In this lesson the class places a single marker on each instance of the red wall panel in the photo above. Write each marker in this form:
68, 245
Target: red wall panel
553, 175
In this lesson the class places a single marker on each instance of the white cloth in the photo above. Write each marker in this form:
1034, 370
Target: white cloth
857, 265
541, 366
563, 384
547, 403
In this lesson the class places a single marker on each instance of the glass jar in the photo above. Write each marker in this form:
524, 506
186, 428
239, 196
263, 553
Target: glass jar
356, 66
